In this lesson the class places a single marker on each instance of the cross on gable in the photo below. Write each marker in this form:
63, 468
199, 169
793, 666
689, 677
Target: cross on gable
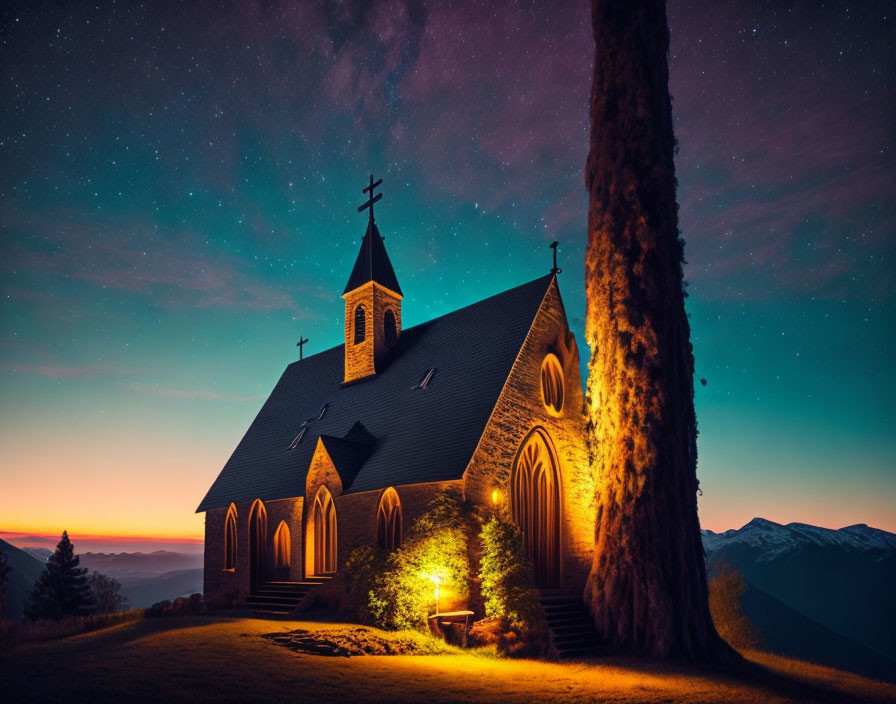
373, 199
301, 344
556, 269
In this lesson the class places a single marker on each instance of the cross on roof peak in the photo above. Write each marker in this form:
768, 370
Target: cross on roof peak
372, 199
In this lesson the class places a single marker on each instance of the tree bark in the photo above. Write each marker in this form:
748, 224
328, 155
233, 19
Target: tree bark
647, 588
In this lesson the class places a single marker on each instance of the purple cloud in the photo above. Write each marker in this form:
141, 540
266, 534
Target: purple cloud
178, 270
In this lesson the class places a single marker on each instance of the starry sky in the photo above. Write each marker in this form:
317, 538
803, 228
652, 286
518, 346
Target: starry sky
178, 204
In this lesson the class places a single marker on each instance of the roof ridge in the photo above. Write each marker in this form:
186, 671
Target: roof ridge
446, 421
438, 317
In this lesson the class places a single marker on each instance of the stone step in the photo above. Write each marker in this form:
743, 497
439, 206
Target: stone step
567, 628
565, 640
565, 612
572, 618
284, 600
297, 596
267, 613
549, 598
584, 651
572, 628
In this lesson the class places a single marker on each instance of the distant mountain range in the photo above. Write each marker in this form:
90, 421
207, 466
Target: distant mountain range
146, 578
815, 593
128, 564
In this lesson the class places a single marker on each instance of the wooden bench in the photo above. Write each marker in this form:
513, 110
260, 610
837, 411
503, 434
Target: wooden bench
438, 623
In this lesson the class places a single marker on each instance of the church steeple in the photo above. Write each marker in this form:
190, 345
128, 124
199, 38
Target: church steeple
372, 303
373, 263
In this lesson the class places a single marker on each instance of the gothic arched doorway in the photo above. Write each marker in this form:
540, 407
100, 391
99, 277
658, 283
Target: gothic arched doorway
322, 525
535, 500
258, 529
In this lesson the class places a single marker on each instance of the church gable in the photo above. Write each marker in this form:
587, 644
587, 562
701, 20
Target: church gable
537, 425
322, 472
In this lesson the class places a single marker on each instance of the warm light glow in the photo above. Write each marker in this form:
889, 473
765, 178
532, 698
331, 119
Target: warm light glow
496, 497
435, 579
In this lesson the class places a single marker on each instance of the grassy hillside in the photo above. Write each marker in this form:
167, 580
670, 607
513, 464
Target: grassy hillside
788, 632
26, 570
203, 658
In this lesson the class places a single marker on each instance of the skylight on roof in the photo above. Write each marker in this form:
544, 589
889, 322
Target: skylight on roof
425, 379
297, 439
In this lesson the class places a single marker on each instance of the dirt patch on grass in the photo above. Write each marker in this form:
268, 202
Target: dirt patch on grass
346, 642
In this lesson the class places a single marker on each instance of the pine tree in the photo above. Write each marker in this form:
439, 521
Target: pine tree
647, 589
62, 589
5, 569
106, 593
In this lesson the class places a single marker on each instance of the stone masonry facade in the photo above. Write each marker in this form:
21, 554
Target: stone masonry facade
518, 411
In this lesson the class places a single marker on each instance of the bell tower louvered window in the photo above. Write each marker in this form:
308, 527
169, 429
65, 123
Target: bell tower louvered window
360, 324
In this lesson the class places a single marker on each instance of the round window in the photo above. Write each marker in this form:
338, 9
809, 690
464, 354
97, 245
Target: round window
552, 384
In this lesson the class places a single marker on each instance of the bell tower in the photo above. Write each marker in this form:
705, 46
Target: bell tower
372, 303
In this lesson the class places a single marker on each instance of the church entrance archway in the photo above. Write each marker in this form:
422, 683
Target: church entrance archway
535, 500
258, 529
322, 534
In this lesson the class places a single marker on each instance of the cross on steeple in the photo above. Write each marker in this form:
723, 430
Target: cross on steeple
556, 269
301, 344
373, 199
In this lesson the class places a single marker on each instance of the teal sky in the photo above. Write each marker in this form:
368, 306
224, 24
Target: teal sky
178, 205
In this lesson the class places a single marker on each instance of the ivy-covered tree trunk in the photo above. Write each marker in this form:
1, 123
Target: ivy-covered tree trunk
647, 588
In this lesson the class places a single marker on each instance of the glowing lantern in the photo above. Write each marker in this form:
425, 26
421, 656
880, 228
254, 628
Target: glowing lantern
496, 497
435, 579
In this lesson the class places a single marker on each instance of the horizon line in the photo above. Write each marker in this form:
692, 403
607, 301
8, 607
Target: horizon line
19, 535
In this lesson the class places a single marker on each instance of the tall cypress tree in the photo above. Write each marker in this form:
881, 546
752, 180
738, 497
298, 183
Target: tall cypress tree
647, 588
62, 589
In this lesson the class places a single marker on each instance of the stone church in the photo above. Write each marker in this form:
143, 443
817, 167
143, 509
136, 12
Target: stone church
354, 441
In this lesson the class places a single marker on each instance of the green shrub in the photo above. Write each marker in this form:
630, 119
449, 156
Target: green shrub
506, 575
402, 596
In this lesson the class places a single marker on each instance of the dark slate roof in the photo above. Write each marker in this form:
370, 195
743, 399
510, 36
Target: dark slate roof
373, 263
419, 435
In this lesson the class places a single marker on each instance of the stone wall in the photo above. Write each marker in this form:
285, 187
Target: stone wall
518, 411
356, 513
216, 579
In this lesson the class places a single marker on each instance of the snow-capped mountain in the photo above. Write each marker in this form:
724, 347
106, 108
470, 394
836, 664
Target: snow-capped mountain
842, 579
775, 540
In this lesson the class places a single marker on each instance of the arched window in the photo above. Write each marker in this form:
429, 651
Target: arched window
281, 549
552, 384
388, 521
535, 500
324, 528
230, 539
390, 329
360, 324
258, 531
